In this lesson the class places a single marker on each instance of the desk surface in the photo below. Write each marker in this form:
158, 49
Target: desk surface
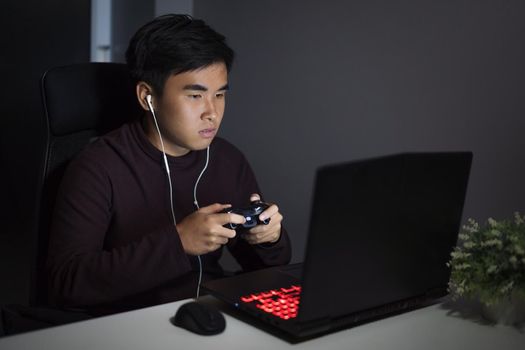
433, 327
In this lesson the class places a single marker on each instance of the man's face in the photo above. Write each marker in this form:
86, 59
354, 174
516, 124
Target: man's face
191, 108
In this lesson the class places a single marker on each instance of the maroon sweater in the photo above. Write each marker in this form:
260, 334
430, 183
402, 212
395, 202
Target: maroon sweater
113, 245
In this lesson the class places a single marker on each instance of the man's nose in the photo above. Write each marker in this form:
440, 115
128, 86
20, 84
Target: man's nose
210, 112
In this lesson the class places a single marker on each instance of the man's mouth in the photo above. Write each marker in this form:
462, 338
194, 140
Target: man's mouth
208, 133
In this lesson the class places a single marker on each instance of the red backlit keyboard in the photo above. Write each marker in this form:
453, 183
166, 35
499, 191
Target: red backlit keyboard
283, 303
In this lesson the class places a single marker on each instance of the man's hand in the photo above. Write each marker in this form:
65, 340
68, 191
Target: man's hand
265, 233
202, 231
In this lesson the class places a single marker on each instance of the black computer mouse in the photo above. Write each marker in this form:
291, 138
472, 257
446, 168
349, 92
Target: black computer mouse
199, 318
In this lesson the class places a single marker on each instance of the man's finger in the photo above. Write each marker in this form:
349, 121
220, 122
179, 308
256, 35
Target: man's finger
226, 233
255, 236
258, 229
230, 218
263, 229
258, 238
255, 197
219, 240
268, 213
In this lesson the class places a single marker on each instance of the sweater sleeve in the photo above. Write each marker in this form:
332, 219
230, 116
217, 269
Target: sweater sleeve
252, 257
81, 272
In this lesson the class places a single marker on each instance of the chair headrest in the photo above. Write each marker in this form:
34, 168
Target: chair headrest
99, 96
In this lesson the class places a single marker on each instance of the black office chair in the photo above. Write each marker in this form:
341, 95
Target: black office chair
81, 102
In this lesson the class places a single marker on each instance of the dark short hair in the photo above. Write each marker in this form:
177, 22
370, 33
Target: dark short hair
173, 44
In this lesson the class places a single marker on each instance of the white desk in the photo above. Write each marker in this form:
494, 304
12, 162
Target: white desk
428, 328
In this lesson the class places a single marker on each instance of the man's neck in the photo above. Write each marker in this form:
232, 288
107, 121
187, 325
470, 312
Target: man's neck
150, 130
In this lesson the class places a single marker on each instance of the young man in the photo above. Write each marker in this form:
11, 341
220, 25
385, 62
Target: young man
140, 211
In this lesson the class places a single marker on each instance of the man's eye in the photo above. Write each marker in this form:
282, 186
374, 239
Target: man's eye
220, 95
195, 96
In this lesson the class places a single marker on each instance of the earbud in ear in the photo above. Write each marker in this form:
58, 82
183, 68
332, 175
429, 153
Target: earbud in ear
148, 100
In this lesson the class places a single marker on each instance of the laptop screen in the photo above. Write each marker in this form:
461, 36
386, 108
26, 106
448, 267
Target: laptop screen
381, 231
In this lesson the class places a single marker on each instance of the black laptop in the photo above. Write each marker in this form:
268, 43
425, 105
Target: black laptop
380, 235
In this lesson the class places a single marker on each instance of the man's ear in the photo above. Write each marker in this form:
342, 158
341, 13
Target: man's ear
143, 90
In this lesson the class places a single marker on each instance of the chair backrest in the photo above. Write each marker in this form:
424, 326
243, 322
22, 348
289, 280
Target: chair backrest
81, 102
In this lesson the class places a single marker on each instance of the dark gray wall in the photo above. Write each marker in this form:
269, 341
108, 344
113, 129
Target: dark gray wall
170, 6
317, 82
36, 35
127, 16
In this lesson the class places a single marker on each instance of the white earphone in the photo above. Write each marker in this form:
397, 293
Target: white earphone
148, 100
150, 105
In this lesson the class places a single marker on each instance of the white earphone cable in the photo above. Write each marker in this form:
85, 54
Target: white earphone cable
197, 205
199, 178
148, 99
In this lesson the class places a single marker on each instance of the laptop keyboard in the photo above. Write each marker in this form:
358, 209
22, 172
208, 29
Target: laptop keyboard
283, 302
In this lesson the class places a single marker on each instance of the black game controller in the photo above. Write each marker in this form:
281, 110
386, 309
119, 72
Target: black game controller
251, 215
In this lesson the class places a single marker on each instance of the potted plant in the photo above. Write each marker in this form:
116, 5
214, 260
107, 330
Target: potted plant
488, 265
